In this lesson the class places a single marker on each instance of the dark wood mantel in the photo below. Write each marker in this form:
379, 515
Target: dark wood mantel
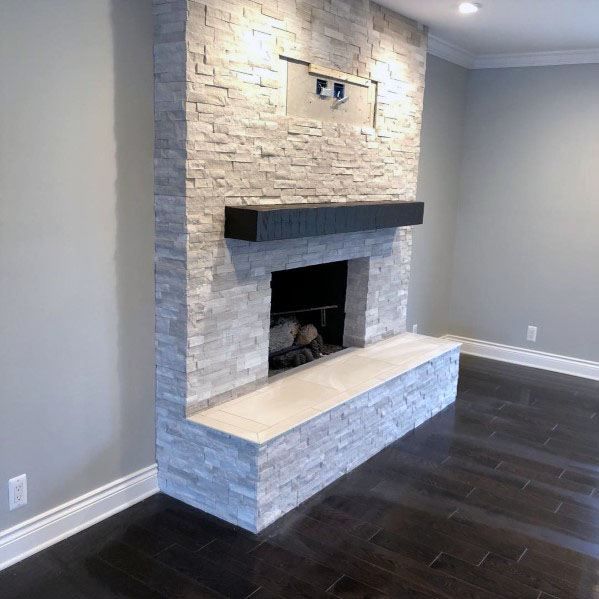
291, 221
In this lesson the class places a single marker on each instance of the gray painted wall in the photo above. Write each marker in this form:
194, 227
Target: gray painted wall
438, 188
527, 244
76, 247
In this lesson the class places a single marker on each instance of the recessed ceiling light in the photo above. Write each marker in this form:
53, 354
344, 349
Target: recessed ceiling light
469, 8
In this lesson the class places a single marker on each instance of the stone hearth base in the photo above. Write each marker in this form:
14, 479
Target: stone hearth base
251, 483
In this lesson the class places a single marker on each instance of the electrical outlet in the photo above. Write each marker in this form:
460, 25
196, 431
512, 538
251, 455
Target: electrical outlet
414, 328
531, 333
17, 492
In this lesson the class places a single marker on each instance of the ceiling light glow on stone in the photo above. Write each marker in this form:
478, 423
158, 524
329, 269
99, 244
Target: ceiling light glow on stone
468, 8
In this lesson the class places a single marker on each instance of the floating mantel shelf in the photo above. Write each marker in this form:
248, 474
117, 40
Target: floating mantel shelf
291, 221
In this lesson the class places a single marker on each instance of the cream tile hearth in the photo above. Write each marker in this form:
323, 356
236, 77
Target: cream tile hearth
302, 394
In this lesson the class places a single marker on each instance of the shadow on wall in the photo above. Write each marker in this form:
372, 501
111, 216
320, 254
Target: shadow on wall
132, 31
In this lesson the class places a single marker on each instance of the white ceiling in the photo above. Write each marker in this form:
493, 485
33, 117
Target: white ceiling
512, 27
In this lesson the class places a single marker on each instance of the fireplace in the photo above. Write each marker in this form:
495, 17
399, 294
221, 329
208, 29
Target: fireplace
307, 314
245, 186
250, 192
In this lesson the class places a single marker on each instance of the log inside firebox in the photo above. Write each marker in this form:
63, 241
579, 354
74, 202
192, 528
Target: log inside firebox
293, 344
297, 354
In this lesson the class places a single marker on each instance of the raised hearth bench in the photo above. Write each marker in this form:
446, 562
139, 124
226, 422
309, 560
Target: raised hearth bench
261, 454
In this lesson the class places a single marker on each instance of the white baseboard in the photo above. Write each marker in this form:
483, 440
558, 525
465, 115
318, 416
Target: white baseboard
41, 531
528, 357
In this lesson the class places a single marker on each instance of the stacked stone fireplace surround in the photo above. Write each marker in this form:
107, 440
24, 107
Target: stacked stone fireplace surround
223, 138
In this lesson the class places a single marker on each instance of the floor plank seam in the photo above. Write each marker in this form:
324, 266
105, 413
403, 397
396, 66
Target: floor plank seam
122, 571
435, 559
329, 589
483, 559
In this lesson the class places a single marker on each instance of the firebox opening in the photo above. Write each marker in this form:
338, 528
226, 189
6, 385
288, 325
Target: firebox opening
307, 314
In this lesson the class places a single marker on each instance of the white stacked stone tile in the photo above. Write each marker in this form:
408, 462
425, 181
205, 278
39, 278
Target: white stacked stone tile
222, 138
252, 484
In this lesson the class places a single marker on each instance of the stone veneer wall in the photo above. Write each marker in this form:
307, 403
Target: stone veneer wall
252, 485
222, 137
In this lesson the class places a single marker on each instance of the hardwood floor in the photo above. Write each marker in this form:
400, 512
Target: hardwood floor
495, 497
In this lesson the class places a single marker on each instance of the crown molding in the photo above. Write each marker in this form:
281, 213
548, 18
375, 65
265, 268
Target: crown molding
536, 59
464, 58
448, 51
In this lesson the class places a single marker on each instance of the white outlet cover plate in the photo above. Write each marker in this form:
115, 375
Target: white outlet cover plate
17, 492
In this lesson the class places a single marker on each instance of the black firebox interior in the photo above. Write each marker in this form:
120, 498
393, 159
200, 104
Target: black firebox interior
312, 295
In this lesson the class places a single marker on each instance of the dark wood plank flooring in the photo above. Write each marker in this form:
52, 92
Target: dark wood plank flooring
495, 497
